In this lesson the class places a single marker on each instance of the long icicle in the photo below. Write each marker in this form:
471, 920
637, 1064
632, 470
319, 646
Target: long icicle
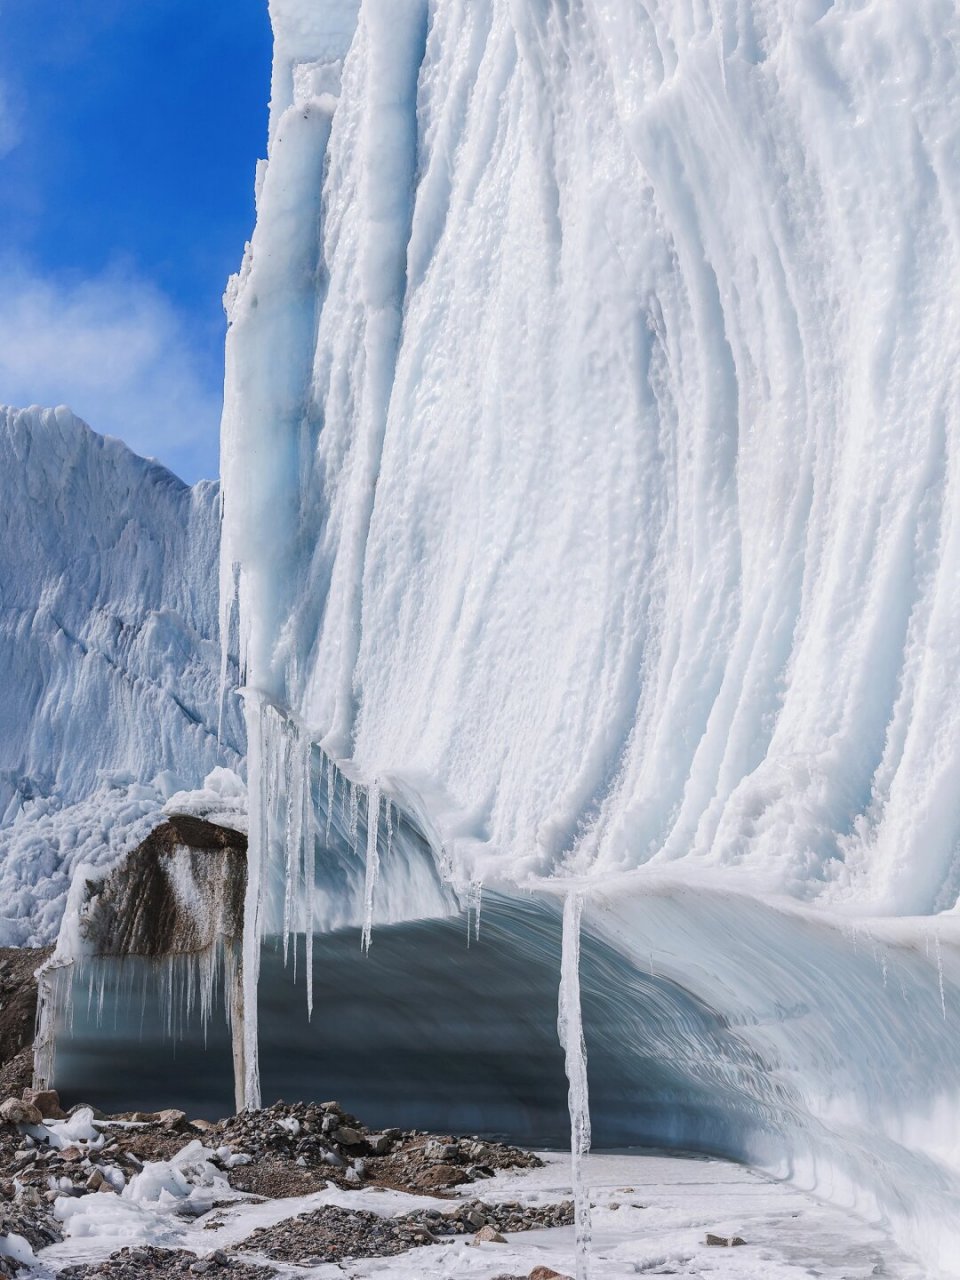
373, 863
570, 1028
256, 852
309, 868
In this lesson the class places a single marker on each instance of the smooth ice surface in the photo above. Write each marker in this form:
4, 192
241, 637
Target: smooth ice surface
109, 655
590, 467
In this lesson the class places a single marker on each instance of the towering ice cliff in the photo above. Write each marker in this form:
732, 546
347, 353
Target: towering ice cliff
591, 445
109, 655
591, 494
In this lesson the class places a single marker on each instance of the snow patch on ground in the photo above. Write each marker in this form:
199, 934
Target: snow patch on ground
651, 1214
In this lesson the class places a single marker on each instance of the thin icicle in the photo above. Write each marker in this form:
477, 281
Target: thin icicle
293, 848
474, 901
353, 820
943, 997
331, 793
570, 1028
373, 863
390, 816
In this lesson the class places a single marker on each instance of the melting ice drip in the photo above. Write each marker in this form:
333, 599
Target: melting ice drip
570, 1027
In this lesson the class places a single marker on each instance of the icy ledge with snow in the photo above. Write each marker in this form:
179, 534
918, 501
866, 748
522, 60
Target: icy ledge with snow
109, 656
591, 468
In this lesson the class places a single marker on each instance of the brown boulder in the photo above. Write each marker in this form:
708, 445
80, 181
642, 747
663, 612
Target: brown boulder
489, 1235
15, 1111
47, 1102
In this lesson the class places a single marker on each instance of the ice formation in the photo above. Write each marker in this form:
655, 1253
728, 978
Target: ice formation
590, 468
109, 656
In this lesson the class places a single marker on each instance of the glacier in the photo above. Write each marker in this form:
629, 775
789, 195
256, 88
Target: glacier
590, 466
110, 654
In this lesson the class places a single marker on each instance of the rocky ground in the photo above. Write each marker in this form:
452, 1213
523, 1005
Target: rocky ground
280, 1151
331, 1233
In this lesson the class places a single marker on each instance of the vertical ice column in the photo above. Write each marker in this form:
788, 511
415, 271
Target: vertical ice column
249, 1059
570, 1028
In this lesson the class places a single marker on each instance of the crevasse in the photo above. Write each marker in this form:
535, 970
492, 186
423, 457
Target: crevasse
590, 468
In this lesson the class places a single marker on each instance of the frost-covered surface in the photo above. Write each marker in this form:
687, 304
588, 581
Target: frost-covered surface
590, 466
651, 1215
109, 655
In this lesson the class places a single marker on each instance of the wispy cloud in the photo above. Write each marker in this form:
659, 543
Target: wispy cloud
115, 349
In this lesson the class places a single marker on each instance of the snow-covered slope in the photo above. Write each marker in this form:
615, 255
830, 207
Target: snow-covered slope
109, 656
591, 467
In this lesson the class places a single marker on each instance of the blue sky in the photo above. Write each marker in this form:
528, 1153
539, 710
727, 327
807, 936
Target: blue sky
129, 133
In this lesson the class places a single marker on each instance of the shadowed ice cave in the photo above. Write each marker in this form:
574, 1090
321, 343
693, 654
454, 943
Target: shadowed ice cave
431, 1029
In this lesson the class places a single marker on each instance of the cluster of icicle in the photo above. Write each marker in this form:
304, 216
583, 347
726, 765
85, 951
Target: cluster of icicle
286, 803
294, 789
179, 985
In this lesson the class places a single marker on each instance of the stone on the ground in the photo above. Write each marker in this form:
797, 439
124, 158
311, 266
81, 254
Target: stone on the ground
47, 1102
547, 1273
724, 1242
16, 1111
489, 1235
172, 1118
347, 1137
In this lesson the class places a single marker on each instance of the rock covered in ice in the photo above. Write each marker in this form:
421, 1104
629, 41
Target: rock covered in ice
177, 892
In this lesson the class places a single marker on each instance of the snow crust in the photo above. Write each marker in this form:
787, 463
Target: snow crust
109, 656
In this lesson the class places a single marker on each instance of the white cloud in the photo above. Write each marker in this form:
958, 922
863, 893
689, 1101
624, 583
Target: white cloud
115, 349
11, 131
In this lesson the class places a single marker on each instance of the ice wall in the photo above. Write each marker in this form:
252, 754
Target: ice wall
591, 450
109, 654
